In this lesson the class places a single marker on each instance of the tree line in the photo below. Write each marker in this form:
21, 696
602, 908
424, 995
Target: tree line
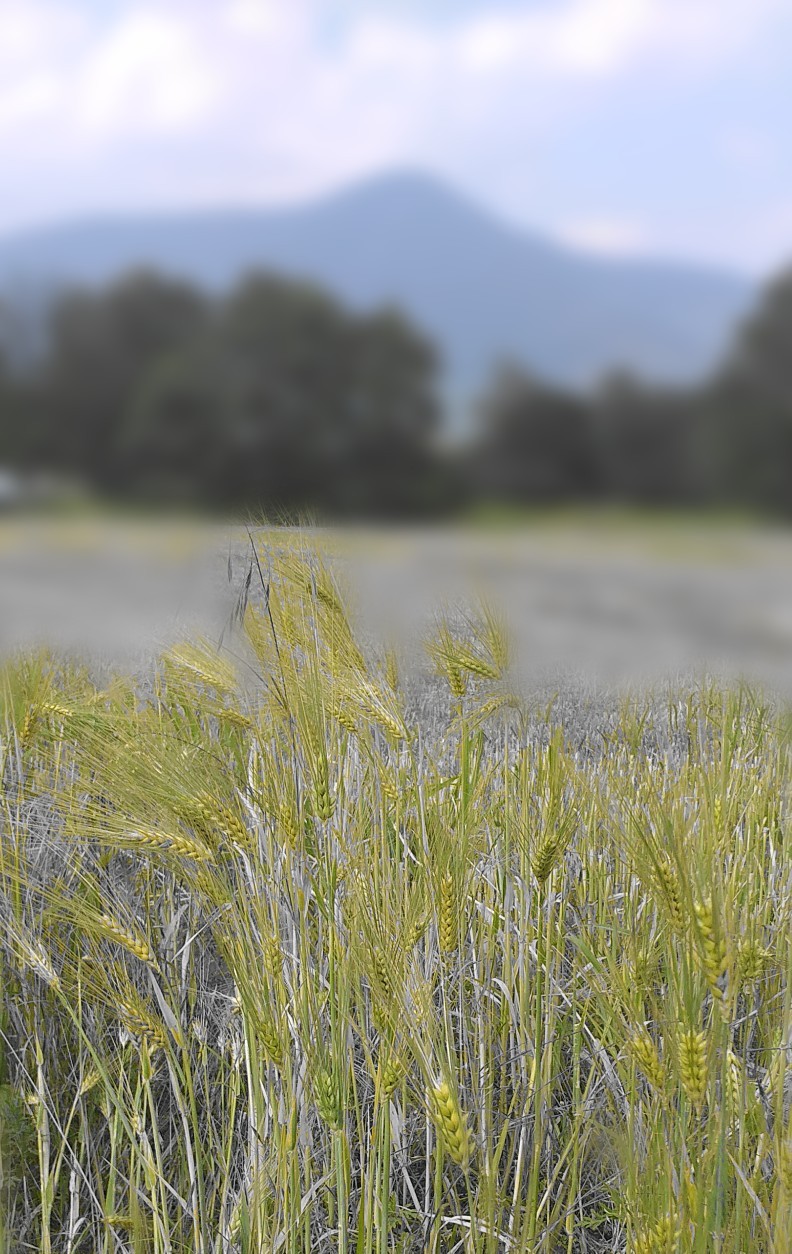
277, 398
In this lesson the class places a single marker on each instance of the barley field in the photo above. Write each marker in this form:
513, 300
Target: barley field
286, 967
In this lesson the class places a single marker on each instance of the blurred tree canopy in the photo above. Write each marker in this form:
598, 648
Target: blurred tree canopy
727, 441
747, 412
536, 442
276, 397
103, 348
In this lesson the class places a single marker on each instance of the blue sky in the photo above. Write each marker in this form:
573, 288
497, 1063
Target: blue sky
627, 126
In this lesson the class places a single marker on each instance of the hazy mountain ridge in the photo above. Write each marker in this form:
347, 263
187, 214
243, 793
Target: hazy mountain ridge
482, 289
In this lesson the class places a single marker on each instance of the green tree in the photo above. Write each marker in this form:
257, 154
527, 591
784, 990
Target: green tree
283, 357
746, 414
285, 400
644, 441
384, 446
174, 442
102, 345
535, 443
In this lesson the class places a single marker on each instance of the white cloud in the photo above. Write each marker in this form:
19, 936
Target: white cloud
33, 30
583, 38
149, 73
578, 37
37, 40
79, 82
174, 64
255, 17
610, 236
167, 101
29, 100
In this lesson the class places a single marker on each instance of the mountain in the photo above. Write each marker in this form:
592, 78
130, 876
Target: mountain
483, 290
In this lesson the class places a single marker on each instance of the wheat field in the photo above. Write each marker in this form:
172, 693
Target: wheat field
283, 972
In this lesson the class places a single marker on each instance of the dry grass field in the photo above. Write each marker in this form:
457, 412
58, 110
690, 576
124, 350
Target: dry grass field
311, 941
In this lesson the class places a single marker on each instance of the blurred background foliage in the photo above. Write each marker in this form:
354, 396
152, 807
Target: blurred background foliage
277, 398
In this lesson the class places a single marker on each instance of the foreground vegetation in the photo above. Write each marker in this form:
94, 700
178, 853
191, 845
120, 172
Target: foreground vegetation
280, 975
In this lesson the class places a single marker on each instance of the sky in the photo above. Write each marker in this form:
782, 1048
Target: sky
651, 127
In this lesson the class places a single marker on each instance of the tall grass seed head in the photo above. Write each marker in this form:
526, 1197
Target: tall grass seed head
692, 1059
324, 802
268, 1034
139, 1021
670, 896
644, 1052
712, 949
327, 1093
133, 942
545, 856
391, 1075
661, 1237
752, 959
383, 968
447, 914
451, 1123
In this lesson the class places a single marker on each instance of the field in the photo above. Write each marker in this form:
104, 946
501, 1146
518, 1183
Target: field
305, 946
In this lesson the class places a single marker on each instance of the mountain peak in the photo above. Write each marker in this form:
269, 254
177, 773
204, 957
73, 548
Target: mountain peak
482, 290
409, 184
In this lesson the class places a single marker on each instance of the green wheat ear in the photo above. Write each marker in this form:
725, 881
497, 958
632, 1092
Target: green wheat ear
451, 1123
342, 977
